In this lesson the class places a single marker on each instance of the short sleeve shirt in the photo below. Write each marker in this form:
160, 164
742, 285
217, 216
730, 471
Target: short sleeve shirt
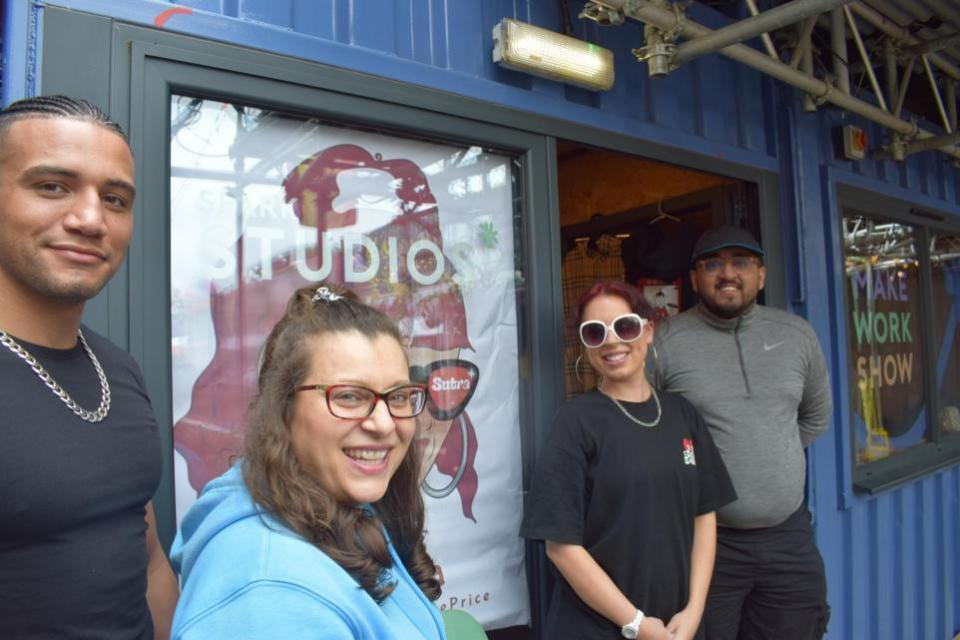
73, 557
629, 495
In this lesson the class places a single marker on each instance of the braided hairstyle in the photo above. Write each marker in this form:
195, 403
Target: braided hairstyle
58, 106
352, 537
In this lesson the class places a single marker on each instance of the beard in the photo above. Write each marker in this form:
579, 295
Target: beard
60, 287
728, 311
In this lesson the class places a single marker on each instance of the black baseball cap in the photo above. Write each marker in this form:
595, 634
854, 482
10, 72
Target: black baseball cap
725, 237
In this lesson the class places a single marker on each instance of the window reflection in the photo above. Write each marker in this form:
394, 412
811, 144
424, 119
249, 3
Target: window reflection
263, 202
885, 347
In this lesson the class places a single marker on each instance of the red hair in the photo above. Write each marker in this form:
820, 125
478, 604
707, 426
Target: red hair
629, 293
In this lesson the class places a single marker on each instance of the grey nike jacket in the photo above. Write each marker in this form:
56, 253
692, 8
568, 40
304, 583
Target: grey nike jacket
761, 384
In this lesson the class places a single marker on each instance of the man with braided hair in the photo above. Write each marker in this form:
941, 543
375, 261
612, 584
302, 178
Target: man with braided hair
79, 445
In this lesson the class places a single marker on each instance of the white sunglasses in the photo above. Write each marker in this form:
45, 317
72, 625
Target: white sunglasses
627, 328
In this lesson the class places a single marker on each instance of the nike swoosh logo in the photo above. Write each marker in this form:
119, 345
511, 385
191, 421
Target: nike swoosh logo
771, 347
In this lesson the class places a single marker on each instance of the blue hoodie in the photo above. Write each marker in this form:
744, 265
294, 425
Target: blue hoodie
246, 575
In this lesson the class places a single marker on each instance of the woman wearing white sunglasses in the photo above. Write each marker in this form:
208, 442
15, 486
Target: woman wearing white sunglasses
625, 490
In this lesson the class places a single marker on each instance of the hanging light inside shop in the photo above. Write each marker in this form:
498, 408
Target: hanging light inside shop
541, 52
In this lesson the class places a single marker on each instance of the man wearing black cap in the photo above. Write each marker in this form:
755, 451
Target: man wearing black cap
759, 379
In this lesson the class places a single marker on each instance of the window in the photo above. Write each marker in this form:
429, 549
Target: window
264, 202
883, 301
902, 293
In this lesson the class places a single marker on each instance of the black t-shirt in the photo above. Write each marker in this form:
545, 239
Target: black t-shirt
72, 495
629, 495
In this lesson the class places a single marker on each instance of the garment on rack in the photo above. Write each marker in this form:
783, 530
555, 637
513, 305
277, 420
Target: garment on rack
586, 263
662, 252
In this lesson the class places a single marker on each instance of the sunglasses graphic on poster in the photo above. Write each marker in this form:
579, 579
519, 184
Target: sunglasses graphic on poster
363, 215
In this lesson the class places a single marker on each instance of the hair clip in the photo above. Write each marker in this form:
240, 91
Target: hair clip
326, 295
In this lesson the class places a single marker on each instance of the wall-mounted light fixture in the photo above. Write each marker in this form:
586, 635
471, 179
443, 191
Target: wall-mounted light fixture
541, 52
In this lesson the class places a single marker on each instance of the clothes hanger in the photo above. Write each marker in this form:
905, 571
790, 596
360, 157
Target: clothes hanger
662, 215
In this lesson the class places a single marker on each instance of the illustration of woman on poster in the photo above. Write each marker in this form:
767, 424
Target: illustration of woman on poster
377, 233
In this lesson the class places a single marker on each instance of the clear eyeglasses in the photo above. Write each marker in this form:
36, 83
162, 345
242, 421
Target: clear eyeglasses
355, 402
627, 328
739, 264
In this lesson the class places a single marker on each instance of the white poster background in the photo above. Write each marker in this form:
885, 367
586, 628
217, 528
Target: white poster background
481, 561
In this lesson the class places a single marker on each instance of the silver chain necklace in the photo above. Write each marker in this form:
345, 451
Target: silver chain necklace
656, 400
47, 379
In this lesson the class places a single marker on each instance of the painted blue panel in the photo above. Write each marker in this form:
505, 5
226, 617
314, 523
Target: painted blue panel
278, 14
546, 15
17, 52
672, 99
440, 44
941, 578
374, 28
419, 30
753, 111
951, 507
412, 43
905, 558
374, 44
632, 89
884, 580
211, 6
722, 99
468, 24
860, 564
928, 560
314, 18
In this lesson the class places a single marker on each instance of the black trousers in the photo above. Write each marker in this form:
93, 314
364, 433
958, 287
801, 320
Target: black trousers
768, 584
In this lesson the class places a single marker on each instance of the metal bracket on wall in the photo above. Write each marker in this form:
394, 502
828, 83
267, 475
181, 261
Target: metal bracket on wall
659, 50
601, 15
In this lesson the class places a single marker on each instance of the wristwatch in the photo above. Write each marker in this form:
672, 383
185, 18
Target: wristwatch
632, 629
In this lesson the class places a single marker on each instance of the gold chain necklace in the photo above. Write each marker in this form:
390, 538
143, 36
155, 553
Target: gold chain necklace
90, 416
656, 400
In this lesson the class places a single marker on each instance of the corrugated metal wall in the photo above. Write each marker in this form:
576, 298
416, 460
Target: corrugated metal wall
893, 562
713, 105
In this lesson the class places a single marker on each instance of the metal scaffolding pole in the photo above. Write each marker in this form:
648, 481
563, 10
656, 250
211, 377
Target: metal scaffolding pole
806, 66
951, 96
803, 42
665, 19
936, 94
878, 21
933, 143
890, 68
838, 42
767, 40
944, 10
904, 85
781, 16
868, 66
931, 46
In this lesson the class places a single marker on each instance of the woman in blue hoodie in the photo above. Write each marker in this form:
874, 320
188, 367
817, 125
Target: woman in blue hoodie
318, 531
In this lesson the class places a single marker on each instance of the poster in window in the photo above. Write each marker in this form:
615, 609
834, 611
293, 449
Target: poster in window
262, 204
